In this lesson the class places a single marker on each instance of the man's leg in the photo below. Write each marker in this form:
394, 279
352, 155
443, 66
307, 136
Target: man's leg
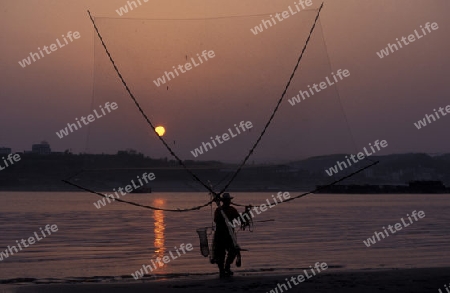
219, 255
232, 253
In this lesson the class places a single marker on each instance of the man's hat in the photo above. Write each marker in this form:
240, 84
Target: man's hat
226, 196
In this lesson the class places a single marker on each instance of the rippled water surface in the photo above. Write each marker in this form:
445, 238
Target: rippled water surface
118, 239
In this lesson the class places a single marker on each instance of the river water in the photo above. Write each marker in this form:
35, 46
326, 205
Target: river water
118, 239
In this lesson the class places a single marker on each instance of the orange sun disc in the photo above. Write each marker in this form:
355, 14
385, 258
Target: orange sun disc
160, 130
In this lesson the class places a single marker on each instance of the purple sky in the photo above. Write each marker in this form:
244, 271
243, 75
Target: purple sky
381, 99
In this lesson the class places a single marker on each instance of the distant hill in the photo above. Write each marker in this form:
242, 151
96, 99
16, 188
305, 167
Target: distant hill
104, 172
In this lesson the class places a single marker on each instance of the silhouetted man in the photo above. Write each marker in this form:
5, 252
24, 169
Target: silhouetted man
223, 242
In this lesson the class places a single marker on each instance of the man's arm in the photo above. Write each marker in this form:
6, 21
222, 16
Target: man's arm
233, 214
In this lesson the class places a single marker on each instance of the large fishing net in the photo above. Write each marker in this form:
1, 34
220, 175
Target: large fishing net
214, 85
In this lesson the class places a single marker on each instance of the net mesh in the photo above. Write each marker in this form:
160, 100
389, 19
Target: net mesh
235, 87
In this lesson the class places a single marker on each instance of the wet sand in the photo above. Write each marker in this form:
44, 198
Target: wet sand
390, 280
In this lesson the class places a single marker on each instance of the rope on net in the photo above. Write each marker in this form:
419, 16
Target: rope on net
137, 204
277, 106
142, 111
321, 187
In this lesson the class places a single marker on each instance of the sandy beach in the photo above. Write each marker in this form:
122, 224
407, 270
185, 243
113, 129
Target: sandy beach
393, 280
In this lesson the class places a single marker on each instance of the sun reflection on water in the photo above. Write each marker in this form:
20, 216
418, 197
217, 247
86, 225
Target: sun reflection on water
158, 216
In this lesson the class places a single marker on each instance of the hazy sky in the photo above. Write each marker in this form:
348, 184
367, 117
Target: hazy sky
381, 99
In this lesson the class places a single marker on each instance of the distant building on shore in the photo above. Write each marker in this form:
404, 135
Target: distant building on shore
5, 151
42, 148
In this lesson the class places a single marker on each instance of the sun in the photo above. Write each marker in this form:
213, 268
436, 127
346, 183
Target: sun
160, 130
